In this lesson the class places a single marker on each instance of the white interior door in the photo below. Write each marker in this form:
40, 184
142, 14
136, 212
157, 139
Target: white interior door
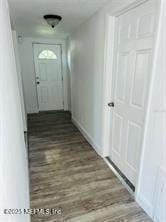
135, 31
48, 66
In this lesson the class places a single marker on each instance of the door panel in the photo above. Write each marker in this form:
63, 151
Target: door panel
43, 94
140, 78
43, 71
121, 77
135, 31
117, 133
146, 25
133, 141
49, 76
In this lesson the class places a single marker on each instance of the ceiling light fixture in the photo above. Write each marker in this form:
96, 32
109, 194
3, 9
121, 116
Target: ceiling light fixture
52, 20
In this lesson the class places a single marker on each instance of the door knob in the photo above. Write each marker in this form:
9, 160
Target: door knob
111, 104
38, 83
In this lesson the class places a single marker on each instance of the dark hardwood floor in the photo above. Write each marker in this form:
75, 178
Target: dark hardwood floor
66, 174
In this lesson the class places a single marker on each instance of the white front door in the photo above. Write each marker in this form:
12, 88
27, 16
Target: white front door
135, 31
48, 66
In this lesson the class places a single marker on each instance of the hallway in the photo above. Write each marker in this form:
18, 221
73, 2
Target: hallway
67, 174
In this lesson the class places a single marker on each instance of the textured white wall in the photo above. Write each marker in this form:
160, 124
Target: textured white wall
87, 82
28, 74
87, 57
14, 184
20, 82
68, 71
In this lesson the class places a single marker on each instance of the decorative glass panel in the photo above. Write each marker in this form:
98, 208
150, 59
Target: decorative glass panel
47, 54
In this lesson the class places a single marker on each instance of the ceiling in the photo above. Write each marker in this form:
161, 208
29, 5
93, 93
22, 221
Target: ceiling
27, 15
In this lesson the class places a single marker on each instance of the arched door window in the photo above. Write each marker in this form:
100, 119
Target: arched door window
47, 54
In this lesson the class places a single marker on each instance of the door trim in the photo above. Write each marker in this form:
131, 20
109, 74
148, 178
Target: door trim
64, 71
130, 7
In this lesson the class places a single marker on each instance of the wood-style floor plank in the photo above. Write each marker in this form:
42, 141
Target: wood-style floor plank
67, 174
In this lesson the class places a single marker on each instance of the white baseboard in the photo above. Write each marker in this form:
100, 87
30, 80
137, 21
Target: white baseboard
144, 203
87, 136
160, 195
33, 111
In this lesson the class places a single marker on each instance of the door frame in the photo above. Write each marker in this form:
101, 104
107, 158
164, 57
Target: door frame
65, 83
109, 52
